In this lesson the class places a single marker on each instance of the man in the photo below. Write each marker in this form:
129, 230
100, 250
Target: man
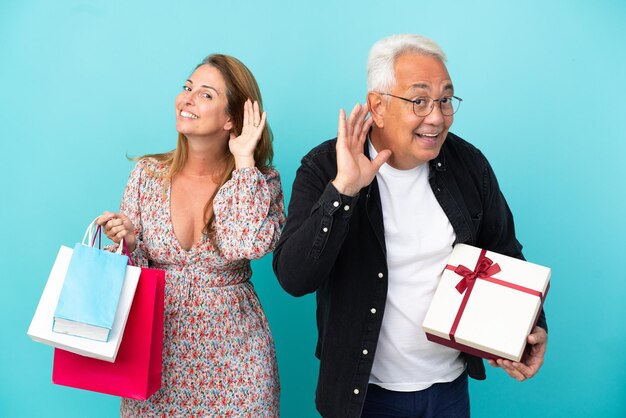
372, 220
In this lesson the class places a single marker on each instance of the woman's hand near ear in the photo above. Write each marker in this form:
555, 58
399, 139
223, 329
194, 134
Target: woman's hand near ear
242, 147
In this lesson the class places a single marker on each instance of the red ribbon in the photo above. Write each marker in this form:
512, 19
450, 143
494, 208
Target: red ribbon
484, 269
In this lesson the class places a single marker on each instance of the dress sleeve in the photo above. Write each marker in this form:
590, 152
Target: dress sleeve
249, 214
131, 207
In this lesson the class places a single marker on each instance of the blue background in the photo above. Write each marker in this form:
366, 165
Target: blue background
84, 83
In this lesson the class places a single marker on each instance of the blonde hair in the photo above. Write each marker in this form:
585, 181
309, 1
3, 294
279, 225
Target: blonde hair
240, 86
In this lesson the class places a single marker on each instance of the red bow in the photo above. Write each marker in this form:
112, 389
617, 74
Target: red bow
484, 268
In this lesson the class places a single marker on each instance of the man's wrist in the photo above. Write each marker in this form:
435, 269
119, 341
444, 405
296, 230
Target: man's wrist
345, 190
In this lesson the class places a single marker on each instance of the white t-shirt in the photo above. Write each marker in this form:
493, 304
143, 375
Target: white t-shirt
419, 238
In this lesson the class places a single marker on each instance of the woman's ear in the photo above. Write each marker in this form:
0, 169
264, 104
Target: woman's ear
228, 126
376, 105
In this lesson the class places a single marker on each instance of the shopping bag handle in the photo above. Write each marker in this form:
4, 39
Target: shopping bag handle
126, 252
90, 237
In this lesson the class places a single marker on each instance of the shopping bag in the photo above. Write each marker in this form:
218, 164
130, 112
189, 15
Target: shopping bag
136, 373
40, 328
91, 290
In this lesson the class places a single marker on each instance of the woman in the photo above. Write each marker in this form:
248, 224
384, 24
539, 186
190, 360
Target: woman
201, 212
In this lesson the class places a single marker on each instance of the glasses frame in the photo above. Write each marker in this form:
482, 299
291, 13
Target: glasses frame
432, 106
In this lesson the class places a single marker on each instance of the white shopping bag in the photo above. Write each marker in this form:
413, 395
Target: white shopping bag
40, 329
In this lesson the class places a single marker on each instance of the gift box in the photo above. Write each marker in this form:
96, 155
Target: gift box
486, 304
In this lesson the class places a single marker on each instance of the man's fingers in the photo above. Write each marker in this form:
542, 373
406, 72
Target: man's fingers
511, 369
365, 127
356, 111
381, 159
359, 122
341, 125
539, 336
519, 371
362, 114
526, 371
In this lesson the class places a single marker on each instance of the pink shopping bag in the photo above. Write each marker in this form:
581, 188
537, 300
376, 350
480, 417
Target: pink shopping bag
136, 372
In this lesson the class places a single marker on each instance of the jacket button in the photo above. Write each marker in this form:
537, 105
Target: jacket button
365, 352
380, 275
356, 391
325, 229
336, 204
373, 310
346, 208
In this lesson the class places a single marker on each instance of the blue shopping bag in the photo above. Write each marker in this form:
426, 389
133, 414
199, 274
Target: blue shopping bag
91, 290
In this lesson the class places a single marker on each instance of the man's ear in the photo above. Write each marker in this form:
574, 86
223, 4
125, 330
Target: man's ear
376, 105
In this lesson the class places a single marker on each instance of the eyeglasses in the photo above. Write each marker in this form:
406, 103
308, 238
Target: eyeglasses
423, 106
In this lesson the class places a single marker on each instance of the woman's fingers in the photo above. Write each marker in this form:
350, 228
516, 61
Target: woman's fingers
246, 115
261, 125
116, 227
249, 112
105, 217
242, 146
256, 114
252, 117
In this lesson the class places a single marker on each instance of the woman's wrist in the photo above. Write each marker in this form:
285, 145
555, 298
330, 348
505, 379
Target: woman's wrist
244, 162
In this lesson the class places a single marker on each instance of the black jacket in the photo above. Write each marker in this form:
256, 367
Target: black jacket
334, 245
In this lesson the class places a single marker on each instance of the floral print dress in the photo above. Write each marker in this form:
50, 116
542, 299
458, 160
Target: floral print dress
218, 352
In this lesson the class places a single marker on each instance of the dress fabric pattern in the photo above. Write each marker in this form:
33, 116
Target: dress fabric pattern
218, 353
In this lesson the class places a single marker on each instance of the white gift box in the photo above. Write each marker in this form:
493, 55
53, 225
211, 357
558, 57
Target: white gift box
486, 303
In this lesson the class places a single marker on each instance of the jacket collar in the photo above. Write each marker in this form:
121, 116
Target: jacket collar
439, 162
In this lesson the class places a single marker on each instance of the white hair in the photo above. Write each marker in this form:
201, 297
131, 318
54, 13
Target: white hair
381, 71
